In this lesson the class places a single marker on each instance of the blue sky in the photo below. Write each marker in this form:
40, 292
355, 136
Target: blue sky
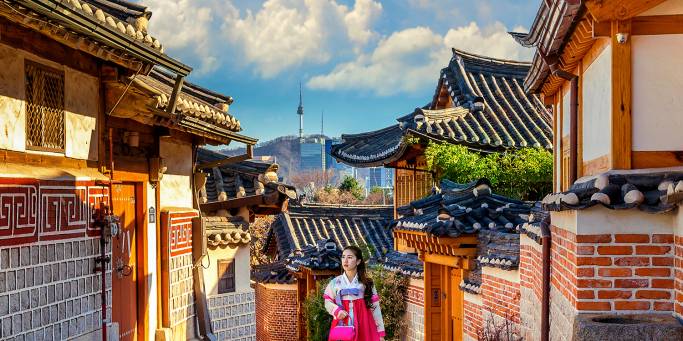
364, 62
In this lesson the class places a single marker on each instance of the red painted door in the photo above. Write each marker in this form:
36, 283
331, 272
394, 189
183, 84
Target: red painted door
124, 286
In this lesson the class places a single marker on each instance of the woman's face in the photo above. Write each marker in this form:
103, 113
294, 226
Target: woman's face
349, 260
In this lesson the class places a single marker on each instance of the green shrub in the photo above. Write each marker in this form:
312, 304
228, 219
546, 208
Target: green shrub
524, 174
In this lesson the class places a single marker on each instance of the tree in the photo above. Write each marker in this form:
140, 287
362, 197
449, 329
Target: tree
524, 174
351, 185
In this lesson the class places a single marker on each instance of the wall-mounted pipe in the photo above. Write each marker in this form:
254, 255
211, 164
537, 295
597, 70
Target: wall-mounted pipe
546, 241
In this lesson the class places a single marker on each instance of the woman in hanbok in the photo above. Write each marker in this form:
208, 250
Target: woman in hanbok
352, 300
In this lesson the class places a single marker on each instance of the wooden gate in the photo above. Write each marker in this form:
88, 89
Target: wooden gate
124, 273
456, 298
444, 305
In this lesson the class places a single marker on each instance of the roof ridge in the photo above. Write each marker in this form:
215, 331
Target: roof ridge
479, 57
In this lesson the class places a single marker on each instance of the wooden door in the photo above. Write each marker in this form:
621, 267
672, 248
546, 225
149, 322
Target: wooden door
456, 303
124, 276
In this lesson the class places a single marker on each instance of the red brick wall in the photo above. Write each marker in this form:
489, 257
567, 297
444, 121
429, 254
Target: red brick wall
678, 275
500, 297
276, 315
473, 320
530, 269
614, 272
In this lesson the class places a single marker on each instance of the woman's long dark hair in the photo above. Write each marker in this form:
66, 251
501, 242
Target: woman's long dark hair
362, 275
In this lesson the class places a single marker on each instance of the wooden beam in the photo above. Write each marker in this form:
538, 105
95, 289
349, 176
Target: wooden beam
621, 97
601, 29
619, 10
451, 261
657, 24
251, 200
173, 100
657, 159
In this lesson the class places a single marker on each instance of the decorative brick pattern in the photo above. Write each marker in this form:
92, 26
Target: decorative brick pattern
415, 295
275, 307
473, 320
234, 316
49, 290
620, 272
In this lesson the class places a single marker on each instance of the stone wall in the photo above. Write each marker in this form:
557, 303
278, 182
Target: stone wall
275, 312
234, 316
48, 245
415, 311
530, 272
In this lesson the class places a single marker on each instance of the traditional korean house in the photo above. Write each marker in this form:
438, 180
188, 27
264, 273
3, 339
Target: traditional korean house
98, 151
610, 71
468, 239
306, 243
479, 102
233, 195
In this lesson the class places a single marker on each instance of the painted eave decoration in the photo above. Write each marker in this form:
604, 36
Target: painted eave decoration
649, 190
488, 111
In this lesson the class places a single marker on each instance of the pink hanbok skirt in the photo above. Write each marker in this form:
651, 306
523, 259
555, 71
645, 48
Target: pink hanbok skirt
363, 322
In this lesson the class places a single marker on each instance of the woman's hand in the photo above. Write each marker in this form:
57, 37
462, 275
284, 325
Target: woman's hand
381, 338
342, 314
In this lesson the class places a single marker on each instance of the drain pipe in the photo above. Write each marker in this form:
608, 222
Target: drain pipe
545, 284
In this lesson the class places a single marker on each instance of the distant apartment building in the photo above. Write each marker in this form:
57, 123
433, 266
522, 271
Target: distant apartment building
312, 154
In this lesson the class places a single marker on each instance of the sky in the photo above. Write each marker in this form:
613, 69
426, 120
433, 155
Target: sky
363, 63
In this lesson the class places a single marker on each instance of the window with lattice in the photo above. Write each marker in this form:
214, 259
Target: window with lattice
226, 276
44, 108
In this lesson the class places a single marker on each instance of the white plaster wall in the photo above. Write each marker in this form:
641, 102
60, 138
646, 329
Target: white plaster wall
12, 96
176, 187
601, 220
566, 100
81, 96
657, 82
597, 106
240, 254
151, 263
508, 275
666, 7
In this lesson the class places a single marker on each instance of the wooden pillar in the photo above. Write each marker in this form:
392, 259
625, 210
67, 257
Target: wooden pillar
620, 157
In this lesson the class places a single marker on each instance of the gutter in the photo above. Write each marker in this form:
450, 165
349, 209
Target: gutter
81, 23
546, 241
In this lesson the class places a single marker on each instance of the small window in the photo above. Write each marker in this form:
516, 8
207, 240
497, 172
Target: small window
44, 108
226, 276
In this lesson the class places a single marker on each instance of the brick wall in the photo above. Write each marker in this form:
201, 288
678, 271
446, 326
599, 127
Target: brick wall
49, 290
500, 296
530, 273
276, 312
613, 272
415, 312
233, 316
473, 317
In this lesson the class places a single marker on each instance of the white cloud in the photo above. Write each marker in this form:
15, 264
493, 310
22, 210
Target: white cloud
409, 60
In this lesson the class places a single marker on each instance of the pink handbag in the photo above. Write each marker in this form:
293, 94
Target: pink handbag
342, 333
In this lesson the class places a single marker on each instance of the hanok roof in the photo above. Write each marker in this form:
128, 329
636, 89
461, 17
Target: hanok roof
103, 28
249, 183
650, 190
552, 25
273, 273
224, 231
469, 209
306, 225
489, 111
405, 263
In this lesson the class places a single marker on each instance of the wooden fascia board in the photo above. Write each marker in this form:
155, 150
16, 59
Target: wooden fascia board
251, 200
618, 10
645, 25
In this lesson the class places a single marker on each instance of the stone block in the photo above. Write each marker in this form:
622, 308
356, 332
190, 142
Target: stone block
14, 303
26, 320
78, 264
54, 313
45, 316
11, 280
25, 297
14, 257
35, 297
25, 256
55, 272
67, 290
64, 330
35, 254
38, 275
627, 327
61, 311
21, 278
74, 288
43, 254
48, 333
4, 259
51, 293
42, 296
35, 318
70, 269
59, 252
51, 252
6, 327
67, 250
62, 272
4, 305
3, 282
